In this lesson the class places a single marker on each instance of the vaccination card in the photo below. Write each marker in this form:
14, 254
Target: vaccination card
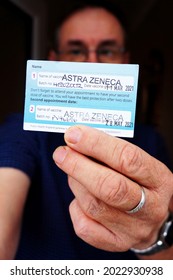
61, 94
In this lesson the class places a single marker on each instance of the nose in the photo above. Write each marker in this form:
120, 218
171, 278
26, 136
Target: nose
92, 56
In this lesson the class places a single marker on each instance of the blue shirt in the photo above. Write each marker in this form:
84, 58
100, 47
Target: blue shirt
47, 231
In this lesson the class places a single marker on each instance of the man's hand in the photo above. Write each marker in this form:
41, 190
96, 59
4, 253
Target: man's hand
106, 175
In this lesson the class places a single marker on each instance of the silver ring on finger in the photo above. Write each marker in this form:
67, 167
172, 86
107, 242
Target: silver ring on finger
140, 204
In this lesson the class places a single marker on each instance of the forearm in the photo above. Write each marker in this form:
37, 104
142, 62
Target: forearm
14, 186
9, 240
8, 250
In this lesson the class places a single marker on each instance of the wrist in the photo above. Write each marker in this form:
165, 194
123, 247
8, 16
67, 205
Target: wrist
164, 240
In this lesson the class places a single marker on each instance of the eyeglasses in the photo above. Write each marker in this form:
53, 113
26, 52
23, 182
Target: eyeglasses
105, 53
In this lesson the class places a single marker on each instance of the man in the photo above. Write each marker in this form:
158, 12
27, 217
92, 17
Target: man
118, 200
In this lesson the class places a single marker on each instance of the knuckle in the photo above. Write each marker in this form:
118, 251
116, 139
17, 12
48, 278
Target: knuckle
94, 144
113, 189
130, 159
119, 195
94, 208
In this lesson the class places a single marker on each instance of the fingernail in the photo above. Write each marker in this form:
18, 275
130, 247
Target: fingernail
73, 135
59, 155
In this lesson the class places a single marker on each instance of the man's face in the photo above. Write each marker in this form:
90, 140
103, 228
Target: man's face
92, 35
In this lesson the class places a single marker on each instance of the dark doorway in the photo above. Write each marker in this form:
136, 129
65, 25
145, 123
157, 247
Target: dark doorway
15, 49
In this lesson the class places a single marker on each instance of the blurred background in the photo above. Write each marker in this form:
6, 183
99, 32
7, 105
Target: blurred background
25, 31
